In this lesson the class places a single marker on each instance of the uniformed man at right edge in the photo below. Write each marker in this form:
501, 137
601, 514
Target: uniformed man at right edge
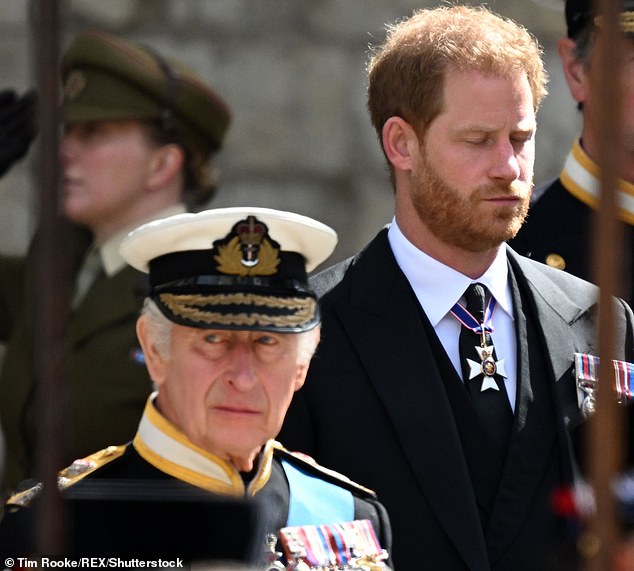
559, 227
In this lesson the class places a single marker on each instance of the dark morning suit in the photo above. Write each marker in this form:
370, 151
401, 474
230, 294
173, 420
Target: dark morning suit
382, 404
107, 384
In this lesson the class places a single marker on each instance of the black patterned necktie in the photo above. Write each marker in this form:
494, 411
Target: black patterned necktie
481, 369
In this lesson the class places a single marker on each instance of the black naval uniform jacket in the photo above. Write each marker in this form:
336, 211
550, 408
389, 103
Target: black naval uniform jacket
383, 404
560, 226
161, 454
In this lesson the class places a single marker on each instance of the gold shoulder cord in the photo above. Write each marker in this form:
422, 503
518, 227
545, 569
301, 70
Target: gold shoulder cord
78, 470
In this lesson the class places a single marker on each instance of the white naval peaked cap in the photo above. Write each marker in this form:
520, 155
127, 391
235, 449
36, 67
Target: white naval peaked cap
197, 231
233, 268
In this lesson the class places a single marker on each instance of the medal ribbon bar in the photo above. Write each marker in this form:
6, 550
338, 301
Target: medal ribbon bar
343, 546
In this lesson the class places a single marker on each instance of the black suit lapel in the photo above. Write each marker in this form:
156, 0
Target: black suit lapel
383, 323
567, 323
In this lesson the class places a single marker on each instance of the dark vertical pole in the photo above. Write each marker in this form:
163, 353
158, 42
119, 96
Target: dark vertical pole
50, 296
606, 432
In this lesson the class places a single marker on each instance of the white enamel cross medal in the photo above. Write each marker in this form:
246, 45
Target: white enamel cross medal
488, 367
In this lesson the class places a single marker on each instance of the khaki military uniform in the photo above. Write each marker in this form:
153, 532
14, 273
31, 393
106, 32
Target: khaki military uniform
106, 380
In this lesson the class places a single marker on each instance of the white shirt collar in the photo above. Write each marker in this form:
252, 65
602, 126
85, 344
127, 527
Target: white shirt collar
437, 286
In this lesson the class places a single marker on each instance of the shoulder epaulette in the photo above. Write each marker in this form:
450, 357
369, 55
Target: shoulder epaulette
307, 462
78, 470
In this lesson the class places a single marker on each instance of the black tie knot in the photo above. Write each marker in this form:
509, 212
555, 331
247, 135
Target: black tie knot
476, 298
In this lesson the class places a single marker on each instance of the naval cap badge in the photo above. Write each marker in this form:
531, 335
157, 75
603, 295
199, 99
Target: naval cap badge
248, 250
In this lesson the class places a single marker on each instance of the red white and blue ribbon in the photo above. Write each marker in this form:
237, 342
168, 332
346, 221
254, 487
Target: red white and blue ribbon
487, 367
335, 546
460, 312
587, 376
624, 375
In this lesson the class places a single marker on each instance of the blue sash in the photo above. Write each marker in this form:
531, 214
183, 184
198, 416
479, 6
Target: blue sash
314, 501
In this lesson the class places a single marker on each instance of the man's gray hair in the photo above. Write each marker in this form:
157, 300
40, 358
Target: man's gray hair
159, 326
308, 341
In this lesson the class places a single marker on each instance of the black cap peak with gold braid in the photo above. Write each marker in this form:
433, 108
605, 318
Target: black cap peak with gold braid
233, 268
581, 13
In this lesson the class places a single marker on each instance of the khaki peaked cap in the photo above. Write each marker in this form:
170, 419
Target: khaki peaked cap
107, 78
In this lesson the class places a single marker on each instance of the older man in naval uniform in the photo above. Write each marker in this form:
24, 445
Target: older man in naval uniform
228, 331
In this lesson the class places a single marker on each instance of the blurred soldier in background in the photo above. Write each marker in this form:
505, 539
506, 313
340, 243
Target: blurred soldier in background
138, 133
559, 227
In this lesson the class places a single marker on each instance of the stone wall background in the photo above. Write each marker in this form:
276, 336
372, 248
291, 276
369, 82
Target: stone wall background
294, 73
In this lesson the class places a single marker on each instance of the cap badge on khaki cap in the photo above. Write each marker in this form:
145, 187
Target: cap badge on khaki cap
74, 85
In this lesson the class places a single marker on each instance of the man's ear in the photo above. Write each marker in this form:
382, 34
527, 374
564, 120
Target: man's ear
166, 165
300, 377
574, 70
400, 143
155, 361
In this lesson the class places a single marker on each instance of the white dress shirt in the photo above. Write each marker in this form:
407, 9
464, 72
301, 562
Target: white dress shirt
438, 287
